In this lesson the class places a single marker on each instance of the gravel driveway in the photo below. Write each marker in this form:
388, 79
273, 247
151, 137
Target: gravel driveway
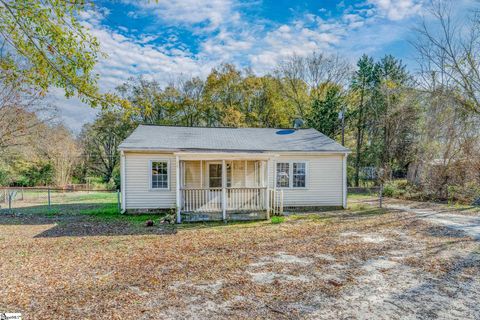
469, 225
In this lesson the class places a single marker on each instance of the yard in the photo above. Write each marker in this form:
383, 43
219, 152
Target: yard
84, 261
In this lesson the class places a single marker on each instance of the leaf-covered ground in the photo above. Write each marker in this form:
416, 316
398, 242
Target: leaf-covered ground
360, 264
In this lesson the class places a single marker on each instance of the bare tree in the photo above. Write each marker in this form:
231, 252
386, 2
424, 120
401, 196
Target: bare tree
301, 77
449, 48
21, 112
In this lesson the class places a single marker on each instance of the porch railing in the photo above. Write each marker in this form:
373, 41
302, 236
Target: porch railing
210, 199
276, 202
202, 200
246, 199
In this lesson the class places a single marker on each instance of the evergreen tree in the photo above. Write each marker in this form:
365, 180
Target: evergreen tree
324, 113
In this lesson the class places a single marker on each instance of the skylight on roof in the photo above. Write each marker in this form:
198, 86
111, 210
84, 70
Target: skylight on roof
285, 131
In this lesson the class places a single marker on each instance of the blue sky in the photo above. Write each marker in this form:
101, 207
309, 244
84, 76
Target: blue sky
163, 40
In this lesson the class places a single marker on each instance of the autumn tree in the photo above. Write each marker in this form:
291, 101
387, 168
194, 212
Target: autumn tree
45, 45
301, 77
19, 108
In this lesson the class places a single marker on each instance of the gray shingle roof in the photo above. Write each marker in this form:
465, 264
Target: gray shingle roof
148, 137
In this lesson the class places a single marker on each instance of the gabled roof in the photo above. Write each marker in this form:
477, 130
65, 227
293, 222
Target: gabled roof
150, 137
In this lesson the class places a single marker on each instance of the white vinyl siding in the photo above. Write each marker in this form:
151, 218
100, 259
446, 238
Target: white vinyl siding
323, 180
323, 185
139, 193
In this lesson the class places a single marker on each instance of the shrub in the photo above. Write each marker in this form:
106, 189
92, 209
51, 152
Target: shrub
277, 219
389, 190
466, 194
402, 189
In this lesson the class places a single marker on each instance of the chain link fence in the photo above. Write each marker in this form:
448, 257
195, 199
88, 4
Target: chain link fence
54, 200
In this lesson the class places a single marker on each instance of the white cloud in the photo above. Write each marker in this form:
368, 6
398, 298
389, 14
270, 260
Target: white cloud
397, 9
211, 13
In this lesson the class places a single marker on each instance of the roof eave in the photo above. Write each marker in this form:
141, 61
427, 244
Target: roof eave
346, 151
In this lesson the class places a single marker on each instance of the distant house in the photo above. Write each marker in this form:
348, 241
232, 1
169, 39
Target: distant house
230, 173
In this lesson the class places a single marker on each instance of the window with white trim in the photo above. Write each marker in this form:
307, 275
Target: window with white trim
291, 174
283, 175
299, 174
159, 172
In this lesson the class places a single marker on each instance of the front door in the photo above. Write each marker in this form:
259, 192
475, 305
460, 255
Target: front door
214, 175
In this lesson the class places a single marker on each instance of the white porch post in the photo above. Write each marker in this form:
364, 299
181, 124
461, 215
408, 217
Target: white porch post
177, 187
344, 181
201, 173
224, 193
267, 198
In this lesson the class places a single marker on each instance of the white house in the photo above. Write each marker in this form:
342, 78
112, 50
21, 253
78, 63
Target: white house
230, 173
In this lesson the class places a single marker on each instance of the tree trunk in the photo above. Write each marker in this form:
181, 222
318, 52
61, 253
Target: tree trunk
359, 138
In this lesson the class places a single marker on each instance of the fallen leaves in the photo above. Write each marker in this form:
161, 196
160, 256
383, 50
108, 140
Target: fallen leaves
260, 271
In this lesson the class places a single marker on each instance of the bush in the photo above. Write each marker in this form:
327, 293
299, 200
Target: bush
277, 219
402, 189
34, 174
389, 190
5, 175
465, 194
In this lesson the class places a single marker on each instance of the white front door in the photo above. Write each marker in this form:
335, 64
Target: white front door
215, 175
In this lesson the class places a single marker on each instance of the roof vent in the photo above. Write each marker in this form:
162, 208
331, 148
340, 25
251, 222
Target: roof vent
297, 123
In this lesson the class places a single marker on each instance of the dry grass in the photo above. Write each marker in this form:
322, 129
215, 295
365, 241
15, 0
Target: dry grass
304, 267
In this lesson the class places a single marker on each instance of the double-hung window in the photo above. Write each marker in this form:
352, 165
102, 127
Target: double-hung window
159, 174
299, 174
291, 174
283, 174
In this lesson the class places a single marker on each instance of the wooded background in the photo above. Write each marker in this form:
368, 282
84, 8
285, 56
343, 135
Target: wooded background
417, 130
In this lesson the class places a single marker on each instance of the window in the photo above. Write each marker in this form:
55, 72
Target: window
159, 174
283, 175
291, 174
299, 175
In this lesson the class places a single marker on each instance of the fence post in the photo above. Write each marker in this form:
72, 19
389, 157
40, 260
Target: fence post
10, 201
118, 201
380, 200
49, 203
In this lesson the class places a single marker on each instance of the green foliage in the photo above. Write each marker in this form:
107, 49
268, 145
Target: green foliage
465, 194
389, 190
5, 174
385, 114
277, 219
33, 174
402, 189
228, 97
324, 113
48, 46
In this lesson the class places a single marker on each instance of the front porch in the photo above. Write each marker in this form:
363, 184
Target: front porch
225, 189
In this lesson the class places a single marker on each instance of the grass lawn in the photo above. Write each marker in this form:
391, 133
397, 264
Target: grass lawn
91, 263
